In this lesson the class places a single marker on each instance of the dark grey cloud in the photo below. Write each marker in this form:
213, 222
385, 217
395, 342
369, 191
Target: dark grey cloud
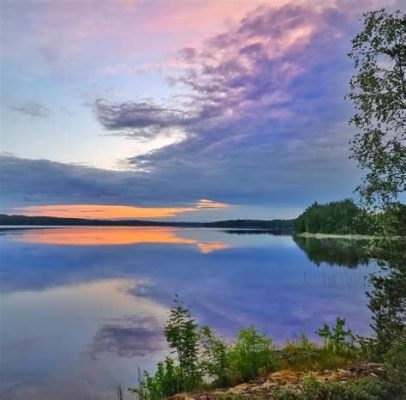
289, 176
130, 336
32, 109
138, 118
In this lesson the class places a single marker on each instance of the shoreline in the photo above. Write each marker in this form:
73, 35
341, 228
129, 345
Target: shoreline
349, 236
345, 236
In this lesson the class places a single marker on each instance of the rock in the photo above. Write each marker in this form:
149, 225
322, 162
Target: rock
268, 385
242, 386
181, 396
265, 388
283, 377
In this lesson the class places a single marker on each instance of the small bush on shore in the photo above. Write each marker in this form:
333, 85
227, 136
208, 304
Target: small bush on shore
199, 354
337, 351
250, 356
395, 365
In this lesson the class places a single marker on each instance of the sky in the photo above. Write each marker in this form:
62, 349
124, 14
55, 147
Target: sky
190, 110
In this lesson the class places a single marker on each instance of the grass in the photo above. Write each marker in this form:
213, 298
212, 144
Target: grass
302, 355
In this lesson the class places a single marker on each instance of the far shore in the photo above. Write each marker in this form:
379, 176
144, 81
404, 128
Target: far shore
343, 236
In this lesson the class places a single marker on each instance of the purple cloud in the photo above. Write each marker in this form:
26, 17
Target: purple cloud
241, 82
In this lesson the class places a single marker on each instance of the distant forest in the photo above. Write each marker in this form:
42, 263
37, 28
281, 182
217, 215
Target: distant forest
275, 225
345, 217
339, 217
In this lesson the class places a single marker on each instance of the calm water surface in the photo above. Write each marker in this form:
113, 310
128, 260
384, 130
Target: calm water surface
82, 308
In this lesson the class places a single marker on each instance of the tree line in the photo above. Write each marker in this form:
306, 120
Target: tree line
340, 217
346, 217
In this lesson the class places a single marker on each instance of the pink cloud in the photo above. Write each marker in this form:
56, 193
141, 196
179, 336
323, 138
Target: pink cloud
69, 35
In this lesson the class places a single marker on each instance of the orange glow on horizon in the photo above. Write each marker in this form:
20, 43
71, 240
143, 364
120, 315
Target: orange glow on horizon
102, 236
97, 211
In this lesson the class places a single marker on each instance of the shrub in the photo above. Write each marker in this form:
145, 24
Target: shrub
182, 335
166, 381
336, 338
395, 365
338, 346
204, 354
338, 350
253, 354
214, 357
299, 355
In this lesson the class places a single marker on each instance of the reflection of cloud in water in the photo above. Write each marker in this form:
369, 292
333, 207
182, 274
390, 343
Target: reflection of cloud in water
102, 236
130, 336
81, 340
84, 294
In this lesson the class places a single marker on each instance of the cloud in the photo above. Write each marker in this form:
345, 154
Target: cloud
143, 119
259, 118
271, 80
286, 176
32, 109
209, 205
72, 38
271, 76
130, 336
243, 78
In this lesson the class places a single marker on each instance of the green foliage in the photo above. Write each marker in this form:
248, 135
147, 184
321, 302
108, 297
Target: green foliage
253, 354
339, 217
249, 357
182, 374
365, 389
391, 221
299, 355
336, 338
378, 92
167, 381
337, 351
391, 387
214, 357
200, 354
395, 365
388, 294
182, 335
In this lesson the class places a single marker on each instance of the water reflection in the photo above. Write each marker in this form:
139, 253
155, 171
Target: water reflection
82, 307
342, 252
129, 336
102, 236
54, 343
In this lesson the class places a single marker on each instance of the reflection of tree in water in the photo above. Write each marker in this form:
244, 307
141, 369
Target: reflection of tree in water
342, 252
388, 295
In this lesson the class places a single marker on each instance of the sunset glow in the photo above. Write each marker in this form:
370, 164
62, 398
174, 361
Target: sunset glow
95, 211
114, 236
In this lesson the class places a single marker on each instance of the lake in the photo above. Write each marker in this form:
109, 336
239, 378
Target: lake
83, 308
